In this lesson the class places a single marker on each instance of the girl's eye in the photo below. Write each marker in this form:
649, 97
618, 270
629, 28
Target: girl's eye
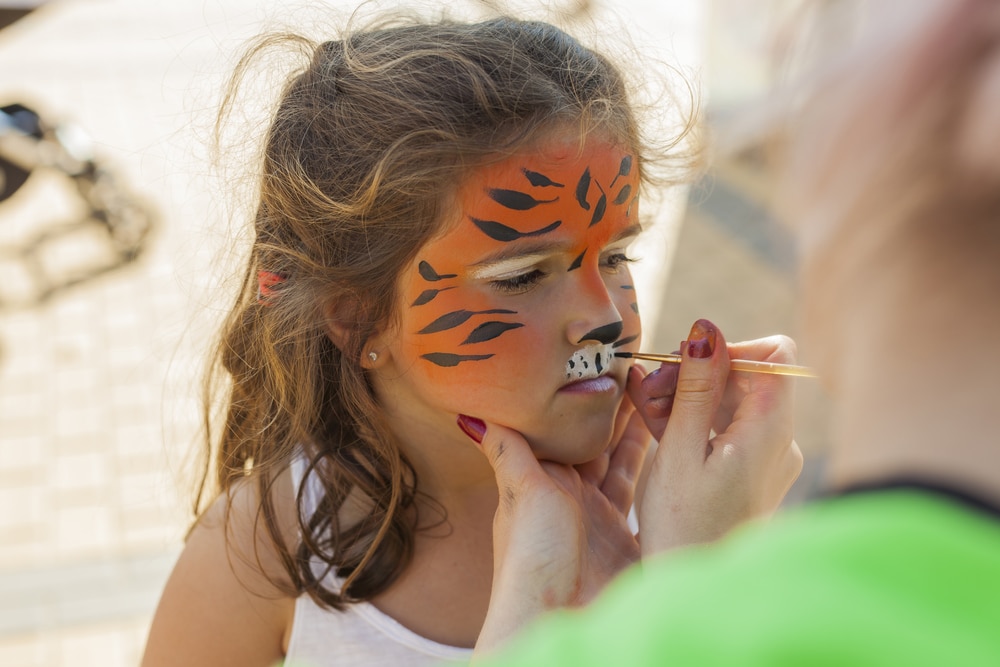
617, 260
519, 283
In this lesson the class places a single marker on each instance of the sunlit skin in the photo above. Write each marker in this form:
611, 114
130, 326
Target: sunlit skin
532, 273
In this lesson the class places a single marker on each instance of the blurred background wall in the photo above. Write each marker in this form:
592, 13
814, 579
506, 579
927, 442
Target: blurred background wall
99, 382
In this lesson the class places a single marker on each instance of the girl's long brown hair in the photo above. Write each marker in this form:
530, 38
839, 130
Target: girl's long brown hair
367, 144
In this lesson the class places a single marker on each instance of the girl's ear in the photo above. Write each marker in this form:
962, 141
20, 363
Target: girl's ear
341, 320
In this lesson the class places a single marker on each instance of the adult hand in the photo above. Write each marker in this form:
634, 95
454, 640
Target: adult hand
560, 532
702, 485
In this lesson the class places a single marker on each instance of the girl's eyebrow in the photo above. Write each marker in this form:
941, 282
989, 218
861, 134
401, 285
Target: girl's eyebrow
632, 230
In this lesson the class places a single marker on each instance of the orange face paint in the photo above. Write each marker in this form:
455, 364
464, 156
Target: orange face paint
530, 283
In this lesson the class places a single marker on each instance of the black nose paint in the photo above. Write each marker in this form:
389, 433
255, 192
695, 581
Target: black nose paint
606, 334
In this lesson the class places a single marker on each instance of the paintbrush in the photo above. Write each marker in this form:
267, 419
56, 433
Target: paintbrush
734, 364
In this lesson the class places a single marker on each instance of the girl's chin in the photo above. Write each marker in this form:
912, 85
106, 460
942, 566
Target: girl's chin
568, 453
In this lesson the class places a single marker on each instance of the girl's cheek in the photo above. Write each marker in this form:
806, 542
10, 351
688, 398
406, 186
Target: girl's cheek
622, 289
461, 334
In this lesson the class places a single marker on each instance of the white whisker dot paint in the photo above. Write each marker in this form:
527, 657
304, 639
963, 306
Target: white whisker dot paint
589, 362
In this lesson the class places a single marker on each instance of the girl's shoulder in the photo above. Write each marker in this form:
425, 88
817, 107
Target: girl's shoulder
238, 517
228, 598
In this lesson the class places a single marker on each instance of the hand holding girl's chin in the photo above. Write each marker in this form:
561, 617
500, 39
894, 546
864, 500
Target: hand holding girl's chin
560, 532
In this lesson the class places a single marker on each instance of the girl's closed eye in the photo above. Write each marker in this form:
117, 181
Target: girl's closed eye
618, 260
519, 283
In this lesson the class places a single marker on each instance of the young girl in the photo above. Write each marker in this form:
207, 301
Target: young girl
441, 245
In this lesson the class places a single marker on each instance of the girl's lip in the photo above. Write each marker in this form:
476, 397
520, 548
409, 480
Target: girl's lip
599, 385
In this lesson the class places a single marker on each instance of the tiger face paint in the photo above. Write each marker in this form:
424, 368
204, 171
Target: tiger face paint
514, 312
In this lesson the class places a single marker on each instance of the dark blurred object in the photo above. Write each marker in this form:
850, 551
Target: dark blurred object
16, 118
47, 257
12, 10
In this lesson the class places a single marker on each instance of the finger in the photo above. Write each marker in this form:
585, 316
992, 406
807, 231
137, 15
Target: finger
775, 349
700, 384
594, 471
767, 411
653, 395
626, 464
508, 453
660, 386
625, 411
770, 396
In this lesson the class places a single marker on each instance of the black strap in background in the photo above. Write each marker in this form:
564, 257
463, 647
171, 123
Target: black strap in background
8, 16
962, 496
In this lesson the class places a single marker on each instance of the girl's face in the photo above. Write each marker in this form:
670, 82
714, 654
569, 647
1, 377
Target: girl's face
512, 315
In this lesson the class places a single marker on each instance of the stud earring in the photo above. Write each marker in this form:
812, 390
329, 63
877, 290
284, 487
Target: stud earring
373, 356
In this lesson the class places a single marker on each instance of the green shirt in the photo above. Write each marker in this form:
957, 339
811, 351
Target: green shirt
896, 578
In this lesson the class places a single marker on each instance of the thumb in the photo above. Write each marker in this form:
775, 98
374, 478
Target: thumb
507, 451
700, 385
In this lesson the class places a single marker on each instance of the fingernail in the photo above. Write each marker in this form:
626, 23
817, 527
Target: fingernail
472, 427
701, 340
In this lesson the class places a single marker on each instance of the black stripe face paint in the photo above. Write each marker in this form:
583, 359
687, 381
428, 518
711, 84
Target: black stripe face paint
523, 292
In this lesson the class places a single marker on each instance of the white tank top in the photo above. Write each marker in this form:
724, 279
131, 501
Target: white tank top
359, 636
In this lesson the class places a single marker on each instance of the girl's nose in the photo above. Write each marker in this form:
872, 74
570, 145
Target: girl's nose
595, 318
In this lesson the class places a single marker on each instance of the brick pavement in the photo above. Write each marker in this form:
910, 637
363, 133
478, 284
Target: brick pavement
96, 386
